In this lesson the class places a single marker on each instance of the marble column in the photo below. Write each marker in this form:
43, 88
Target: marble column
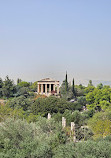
72, 126
73, 131
38, 88
45, 88
49, 116
63, 122
57, 89
42, 88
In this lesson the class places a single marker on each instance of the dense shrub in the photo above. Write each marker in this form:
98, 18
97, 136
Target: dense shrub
51, 105
21, 139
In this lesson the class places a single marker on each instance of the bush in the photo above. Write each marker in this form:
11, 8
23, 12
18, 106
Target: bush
20, 102
50, 105
21, 139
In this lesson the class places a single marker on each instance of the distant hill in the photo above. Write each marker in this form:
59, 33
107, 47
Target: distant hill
95, 82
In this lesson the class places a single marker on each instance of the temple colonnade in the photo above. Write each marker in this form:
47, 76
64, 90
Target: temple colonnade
48, 86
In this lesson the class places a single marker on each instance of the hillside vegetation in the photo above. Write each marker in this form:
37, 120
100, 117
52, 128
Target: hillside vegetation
25, 131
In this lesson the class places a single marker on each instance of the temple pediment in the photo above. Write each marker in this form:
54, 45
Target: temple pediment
48, 80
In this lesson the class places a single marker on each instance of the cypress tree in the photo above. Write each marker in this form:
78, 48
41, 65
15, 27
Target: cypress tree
66, 83
18, 81
73, 87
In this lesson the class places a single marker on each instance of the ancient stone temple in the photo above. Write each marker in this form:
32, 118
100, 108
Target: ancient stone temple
48, 87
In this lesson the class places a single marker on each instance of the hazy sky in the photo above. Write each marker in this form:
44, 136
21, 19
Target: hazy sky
44, 38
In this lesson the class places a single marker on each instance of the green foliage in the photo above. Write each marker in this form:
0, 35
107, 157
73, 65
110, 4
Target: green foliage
89, 113
19, 80
77, 106
34, 136
45, 139
100, 124
66, 95
75, 117
73, 88
66, 91
8, 88
51, 105
89, 149
63, 90
7, 112
90, 83
79, 91
92, 149
21, 139
22, 91
84, 134
66, 83
23, 84
89, 89
72, 91
32, 118
1, 83
81, 87
20, 102
1, 86
99, 98
104, 104
65, 151
82, 100
100, 86
33, 87
57, 116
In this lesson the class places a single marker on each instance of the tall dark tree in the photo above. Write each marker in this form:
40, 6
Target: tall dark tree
73, 88
19, 80
1, 85
66, 83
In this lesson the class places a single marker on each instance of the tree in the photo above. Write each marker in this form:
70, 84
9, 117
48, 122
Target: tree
21, 91
66, 83
90, 83
104, 105
19, 80
6, 112
93, 149
51, 105
81, 86
8, 89
89, 89
24, 84
100, 124
30, 140
67, 95
82, 100
33, 87
20, 102
20, 139
73, 88
100, 86
79, 91
1, 86
1, 83
99, 98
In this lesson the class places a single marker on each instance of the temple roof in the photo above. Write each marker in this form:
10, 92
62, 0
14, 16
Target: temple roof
48, 80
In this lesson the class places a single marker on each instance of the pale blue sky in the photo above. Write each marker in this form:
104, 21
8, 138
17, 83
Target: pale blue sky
44, 38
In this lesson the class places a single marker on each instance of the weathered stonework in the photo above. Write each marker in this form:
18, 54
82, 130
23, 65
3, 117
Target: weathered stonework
48, 87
